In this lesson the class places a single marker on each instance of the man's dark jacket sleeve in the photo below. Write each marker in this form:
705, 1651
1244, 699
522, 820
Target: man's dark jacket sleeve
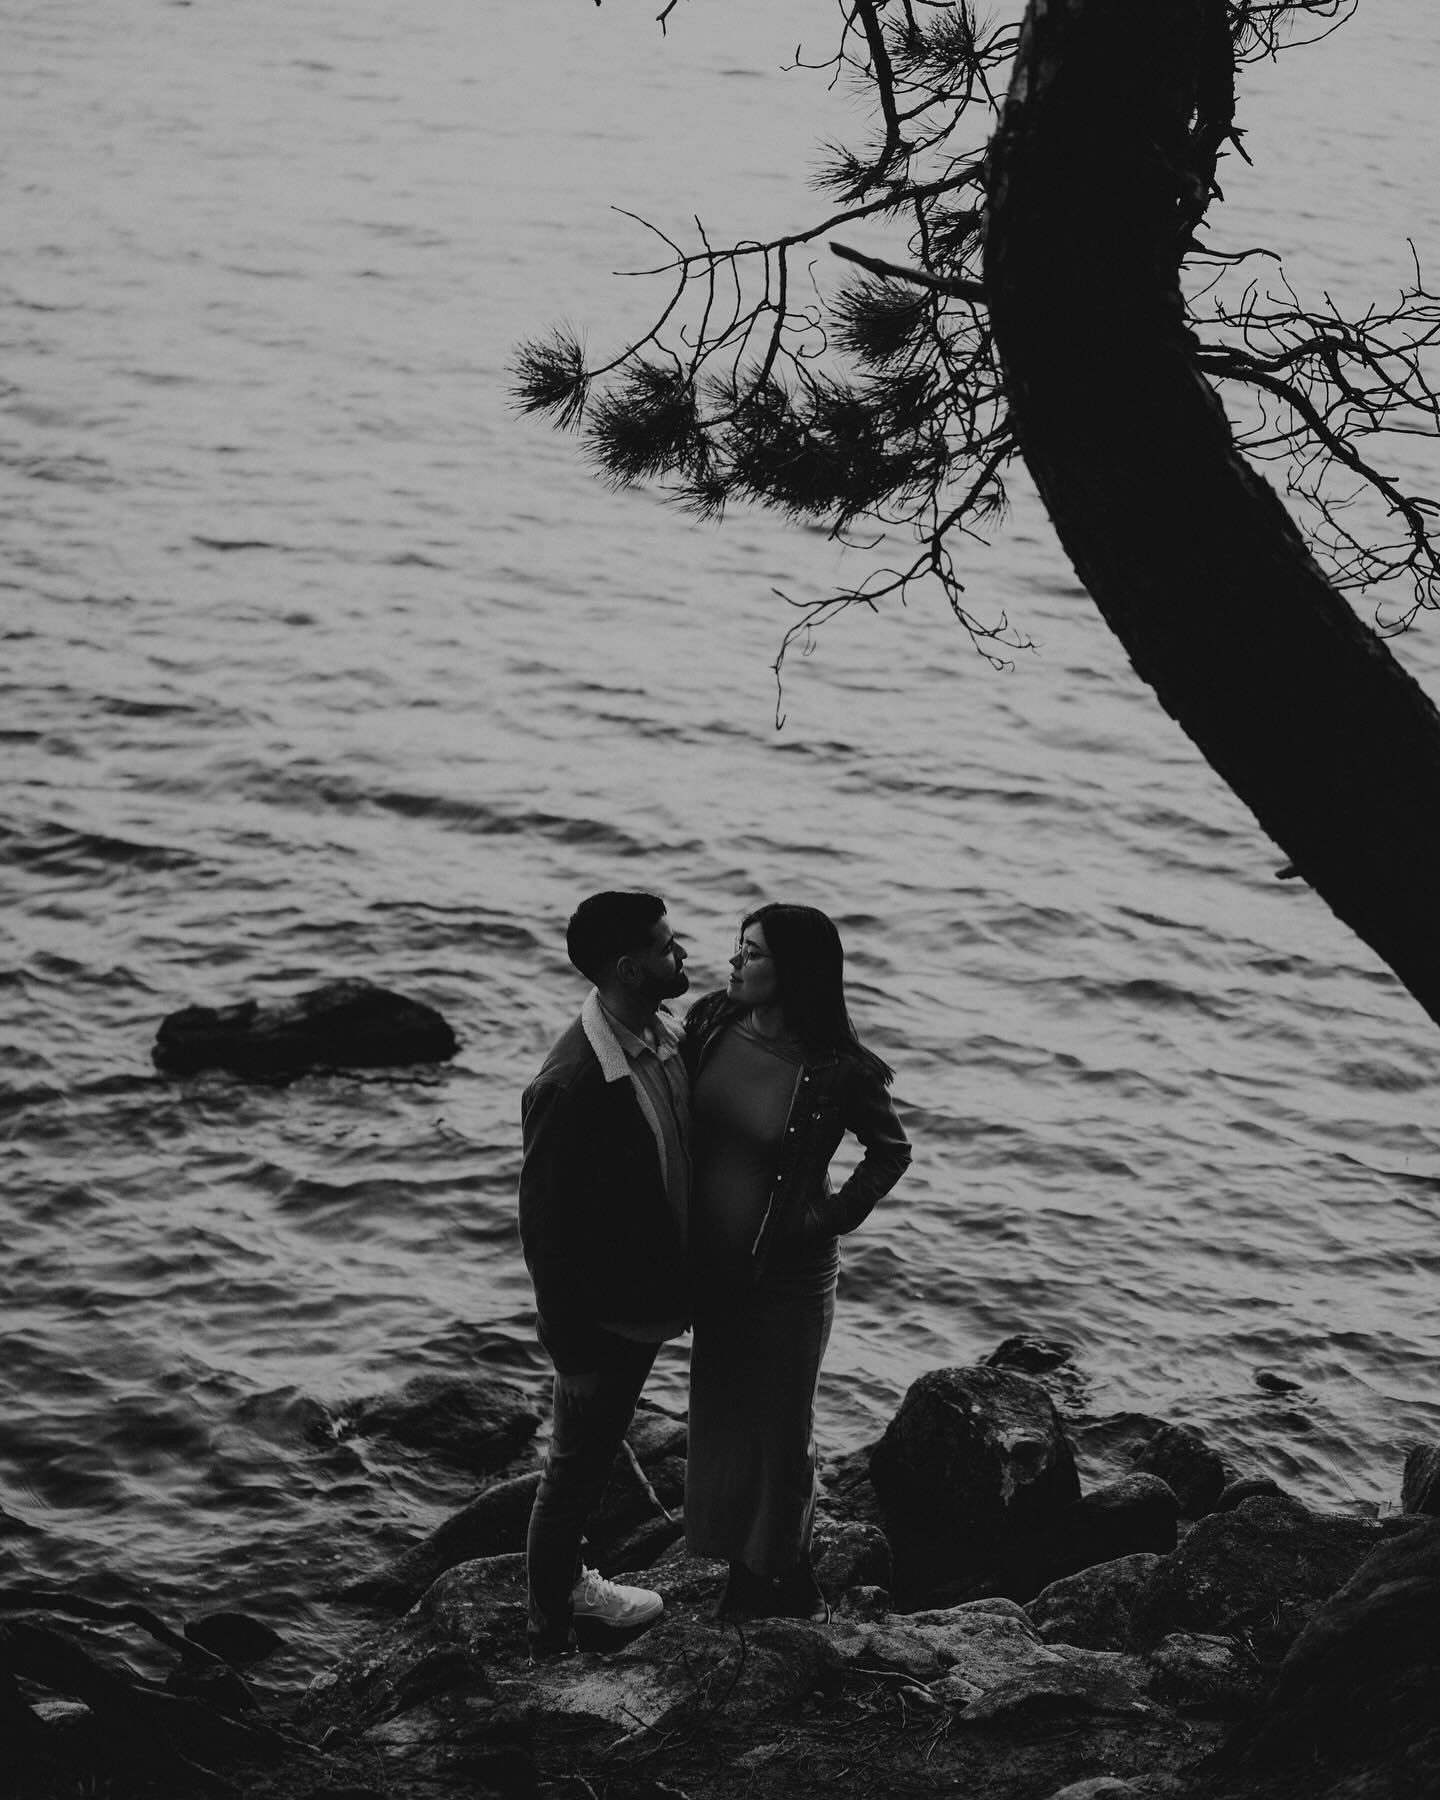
599, 1238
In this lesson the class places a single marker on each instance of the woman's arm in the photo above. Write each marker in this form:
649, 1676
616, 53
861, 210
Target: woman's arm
870, 1114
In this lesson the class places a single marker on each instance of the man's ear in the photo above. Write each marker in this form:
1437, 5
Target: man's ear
628, 970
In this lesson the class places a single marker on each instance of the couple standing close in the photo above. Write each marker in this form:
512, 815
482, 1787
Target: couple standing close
676, 1177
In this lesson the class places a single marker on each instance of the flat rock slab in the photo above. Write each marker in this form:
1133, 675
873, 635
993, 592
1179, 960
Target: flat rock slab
350, 1024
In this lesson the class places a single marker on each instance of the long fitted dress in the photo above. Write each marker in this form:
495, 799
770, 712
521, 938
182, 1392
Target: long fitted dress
757, 1347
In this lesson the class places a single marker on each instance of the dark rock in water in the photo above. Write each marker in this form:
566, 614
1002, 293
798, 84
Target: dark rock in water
1247, 1487
234, 1637
1049, 1361
1360, 1686
476, 1423
973, 1475
1420, 1488
1123, 1518
1258, 1574
147, 1739
1274, 1383
349, 1024
492, 1524
1092, 1608
1187, 1464
1029, 1355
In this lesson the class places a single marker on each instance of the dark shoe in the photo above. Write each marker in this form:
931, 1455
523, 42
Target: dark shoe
747, 1595
798, 1595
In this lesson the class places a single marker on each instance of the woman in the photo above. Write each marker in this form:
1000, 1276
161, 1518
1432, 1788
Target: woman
778, 1077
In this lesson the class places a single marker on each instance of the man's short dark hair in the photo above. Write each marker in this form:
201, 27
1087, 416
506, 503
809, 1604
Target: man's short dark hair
607, 926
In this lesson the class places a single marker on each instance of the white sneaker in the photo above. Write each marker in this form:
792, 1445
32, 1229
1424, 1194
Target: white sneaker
607, 1603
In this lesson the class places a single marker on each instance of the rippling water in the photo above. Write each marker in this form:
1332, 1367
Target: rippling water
318, 662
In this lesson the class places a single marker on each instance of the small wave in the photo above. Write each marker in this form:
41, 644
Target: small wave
58, 850
74, 471
485, 819
1148, 992
126, 708
229, 544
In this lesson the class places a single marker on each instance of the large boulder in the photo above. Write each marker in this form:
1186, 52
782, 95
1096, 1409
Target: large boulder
1420, 1485
1258, 1574
973, 1475
349, 1024
1360, 1687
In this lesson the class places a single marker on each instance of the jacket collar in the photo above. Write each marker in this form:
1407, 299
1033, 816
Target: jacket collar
614, 1064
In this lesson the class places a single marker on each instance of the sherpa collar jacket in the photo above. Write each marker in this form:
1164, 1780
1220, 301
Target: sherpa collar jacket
599, 1237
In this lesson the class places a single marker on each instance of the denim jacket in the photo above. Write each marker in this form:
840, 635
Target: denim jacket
832, 1095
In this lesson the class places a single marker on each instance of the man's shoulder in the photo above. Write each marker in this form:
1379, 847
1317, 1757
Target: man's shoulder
570, 1059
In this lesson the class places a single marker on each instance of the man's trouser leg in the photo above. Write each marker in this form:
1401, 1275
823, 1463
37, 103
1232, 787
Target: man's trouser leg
592, 1413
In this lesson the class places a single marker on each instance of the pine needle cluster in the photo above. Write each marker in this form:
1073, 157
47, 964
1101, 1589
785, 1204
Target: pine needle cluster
876, 400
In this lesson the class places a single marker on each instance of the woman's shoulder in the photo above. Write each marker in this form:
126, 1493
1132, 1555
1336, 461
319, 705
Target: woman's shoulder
861, 1071
708, 1012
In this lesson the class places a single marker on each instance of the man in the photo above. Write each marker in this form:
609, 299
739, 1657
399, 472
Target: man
604, 1191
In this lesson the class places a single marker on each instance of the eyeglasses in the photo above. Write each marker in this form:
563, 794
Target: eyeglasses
747, 953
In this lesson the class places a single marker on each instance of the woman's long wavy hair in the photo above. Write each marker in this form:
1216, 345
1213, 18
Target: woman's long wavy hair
810, 973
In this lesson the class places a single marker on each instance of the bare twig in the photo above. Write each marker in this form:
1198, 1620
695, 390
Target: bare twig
644, 1481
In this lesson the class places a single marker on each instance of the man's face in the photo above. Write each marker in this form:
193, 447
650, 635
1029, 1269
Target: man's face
661, 964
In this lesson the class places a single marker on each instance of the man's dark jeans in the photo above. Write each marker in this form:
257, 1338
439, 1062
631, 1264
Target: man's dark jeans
592, 1413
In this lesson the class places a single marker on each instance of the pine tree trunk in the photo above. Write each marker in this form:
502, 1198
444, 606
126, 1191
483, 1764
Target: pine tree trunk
1191, 557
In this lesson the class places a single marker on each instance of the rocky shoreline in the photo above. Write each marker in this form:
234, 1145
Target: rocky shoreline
1004, 1627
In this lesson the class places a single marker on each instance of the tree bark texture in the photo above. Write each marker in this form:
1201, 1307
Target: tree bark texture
1190, 556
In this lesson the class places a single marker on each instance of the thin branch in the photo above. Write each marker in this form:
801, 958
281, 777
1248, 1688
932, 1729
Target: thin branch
952, 285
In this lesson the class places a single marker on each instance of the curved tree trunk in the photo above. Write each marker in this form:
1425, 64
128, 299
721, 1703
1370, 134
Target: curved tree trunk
1190, 556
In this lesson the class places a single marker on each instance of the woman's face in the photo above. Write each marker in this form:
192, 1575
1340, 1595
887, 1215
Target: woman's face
753, 982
